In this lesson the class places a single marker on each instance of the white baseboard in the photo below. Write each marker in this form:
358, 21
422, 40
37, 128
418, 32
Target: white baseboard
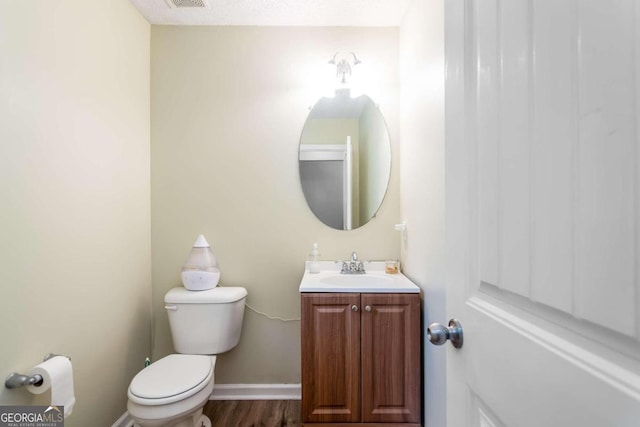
124, 421
256, 392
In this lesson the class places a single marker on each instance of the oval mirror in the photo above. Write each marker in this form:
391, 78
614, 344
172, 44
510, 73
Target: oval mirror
345, 160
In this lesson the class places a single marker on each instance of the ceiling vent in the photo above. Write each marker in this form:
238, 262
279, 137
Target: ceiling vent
176, 4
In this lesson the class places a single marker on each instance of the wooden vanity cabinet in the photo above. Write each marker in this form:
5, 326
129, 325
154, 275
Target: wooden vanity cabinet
360, 359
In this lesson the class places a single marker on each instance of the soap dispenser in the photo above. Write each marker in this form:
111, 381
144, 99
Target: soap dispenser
200, 272
314, 260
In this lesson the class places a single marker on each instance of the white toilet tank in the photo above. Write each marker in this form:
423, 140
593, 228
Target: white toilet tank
205, 322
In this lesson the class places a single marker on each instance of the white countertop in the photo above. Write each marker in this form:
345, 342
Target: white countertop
374, 281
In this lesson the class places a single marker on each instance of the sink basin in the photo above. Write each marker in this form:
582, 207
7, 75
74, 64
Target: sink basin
374, 281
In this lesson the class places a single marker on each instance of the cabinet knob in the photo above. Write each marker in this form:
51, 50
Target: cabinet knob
367, 308
354, 307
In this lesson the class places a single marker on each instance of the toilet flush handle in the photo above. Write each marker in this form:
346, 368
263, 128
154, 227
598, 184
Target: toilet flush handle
171, 307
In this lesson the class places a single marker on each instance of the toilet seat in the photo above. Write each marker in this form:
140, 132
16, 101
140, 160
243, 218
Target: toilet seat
171, 379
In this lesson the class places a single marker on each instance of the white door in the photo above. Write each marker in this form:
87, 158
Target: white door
543, 212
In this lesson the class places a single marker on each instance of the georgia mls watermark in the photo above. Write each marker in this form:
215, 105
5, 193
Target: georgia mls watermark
31, 416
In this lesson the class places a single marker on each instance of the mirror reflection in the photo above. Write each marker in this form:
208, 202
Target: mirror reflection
345, 160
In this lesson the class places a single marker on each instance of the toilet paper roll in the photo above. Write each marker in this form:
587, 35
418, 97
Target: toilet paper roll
57, 375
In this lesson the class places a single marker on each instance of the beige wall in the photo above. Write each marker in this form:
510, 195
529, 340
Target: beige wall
228, 106
74, 197
422, 180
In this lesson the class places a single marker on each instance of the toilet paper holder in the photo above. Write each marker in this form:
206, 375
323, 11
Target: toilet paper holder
16, 380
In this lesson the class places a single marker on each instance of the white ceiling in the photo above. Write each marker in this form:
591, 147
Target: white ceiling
356, 13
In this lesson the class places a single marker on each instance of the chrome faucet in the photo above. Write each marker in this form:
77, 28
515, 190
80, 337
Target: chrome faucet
353, 266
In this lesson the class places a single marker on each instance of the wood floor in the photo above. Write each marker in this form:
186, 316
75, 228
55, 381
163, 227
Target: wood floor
253, 413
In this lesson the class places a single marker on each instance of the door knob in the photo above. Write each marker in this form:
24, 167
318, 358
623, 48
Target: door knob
354, 307
439, 334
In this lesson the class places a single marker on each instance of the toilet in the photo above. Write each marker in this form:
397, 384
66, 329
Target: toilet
172, 391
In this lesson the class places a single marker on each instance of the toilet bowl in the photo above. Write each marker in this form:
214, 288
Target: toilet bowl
172, 391
169, 391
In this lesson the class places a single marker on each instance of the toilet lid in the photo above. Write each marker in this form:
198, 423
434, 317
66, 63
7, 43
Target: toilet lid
172, 375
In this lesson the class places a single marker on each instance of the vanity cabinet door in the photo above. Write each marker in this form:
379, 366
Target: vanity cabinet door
330, 358
391, 371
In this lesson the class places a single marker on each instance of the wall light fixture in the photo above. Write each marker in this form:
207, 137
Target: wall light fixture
344, 64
